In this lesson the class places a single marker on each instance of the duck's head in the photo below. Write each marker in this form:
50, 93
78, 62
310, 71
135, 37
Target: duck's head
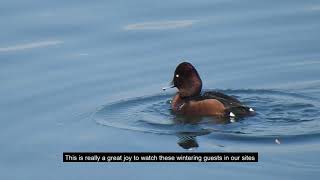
187, 80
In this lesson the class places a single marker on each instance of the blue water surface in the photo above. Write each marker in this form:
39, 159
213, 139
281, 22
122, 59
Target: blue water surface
83, 75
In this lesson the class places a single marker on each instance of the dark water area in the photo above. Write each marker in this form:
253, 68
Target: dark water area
87, 76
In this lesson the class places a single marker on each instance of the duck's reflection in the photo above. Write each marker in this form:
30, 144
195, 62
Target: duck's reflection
188, 140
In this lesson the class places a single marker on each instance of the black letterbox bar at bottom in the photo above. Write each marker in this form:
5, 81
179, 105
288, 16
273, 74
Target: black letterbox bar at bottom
160, 157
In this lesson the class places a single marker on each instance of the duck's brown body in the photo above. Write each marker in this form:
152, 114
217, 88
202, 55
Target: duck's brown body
207, 107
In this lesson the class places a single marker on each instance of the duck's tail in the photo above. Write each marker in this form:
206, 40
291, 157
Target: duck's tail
239, 111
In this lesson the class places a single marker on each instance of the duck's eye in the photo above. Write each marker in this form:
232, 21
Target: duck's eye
177, 75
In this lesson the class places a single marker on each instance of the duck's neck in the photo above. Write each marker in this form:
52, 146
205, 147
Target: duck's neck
193, 90
194, 96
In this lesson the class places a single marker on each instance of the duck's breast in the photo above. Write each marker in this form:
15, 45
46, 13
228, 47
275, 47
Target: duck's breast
193, 107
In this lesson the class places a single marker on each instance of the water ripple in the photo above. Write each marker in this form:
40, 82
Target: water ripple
279, 113
160, 25
30, 45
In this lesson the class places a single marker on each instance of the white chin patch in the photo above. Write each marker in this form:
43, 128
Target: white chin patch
251, 110
181, 106
231, 114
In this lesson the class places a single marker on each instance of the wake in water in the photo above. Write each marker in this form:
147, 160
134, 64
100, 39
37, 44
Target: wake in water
279, 113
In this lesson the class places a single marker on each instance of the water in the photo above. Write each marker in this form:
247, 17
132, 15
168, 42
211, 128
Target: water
87, 76
278, 114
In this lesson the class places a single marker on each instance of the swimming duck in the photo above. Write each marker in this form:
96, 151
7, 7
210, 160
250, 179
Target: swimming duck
190, 100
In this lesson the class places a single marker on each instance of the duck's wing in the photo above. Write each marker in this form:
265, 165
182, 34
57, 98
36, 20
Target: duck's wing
233, 107
231, 103
223, 98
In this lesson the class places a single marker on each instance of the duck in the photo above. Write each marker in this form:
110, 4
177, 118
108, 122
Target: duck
190, 99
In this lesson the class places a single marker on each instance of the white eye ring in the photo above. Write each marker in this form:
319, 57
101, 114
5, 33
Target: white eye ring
177, 75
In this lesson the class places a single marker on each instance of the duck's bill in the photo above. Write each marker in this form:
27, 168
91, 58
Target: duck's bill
165, 88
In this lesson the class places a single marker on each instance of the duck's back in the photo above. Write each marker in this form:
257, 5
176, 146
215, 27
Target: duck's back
230, 103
